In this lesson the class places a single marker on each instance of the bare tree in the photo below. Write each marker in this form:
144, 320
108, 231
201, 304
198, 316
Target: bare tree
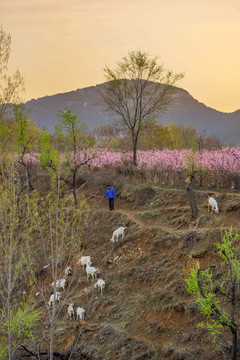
191, 163
60, 227
37, 236
10, 86
136, 91
190, 195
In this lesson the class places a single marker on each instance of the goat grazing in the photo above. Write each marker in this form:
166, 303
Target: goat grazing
57, 298
100, 285
60, 284
71, 311
68, 271
91, 271
80, 313
84, 260
213, 203
117, 233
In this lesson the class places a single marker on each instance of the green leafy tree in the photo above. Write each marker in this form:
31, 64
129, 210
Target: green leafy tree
74, 143
49, 158
27, 136
107, 137
23, 319
16, 223
136, 91
172, 136
217, 297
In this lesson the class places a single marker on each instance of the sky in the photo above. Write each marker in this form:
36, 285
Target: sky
63, 45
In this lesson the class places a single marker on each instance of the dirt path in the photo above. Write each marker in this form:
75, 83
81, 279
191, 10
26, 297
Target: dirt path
197, 190
125, 208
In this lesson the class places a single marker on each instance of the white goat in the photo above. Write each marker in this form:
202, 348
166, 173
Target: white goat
68, 271
91, 271
57, 298
117, 233
84, 260
100, 284
60, 284
80, 313
213, 203
71, 311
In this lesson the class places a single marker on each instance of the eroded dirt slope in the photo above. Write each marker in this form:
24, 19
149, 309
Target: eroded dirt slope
145, 311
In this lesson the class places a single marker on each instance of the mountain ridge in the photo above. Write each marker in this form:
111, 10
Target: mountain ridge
183, 110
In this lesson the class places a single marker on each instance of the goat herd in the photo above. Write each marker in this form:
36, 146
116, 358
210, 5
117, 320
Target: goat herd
92, 271
85, 261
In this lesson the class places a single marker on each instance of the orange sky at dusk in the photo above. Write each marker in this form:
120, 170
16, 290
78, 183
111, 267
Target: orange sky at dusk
60, 46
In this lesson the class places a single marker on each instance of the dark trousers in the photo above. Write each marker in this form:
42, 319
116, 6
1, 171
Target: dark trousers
111, 204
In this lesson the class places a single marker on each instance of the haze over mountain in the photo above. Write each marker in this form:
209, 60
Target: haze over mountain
184, 110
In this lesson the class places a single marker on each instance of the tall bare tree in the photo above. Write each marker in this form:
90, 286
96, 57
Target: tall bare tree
60, 227
10, 86
136, 91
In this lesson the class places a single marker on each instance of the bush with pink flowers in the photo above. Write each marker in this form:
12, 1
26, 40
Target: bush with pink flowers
216, 168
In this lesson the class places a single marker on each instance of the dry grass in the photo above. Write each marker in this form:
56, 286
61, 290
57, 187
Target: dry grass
145, 311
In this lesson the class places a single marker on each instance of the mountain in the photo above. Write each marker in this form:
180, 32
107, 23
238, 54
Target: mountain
184, 110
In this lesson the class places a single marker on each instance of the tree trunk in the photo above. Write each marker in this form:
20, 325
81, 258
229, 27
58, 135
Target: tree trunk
134, 141
9, 327
74, 195
52, 326
29, 179
191, 197
74, 188
135, 156
234, 344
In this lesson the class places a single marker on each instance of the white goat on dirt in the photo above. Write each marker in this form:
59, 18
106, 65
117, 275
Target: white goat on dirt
91, 271
84, 260
100, 284
71, 311
117, 233
80, 313
68, 271
57, 298
213, 203
60, 284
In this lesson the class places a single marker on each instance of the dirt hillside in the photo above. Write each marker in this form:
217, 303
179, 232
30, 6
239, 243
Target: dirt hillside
145, 311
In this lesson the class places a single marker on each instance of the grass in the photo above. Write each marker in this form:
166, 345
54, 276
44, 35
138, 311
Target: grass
164, 187
147, 215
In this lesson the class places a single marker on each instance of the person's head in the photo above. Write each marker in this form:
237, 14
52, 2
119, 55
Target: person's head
109, 186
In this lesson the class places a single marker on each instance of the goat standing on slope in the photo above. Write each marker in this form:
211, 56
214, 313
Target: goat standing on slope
84, 260
60, 284
68, 271
91, 271
71, 311
213, 203
117, 233
80, 313
100, 285
56, 298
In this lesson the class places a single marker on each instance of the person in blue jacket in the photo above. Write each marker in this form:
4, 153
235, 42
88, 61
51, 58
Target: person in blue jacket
111, 196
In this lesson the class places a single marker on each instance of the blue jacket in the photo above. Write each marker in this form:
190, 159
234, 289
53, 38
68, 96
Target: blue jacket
110, 193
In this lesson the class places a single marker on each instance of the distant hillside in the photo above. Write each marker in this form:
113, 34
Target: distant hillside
184, 109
